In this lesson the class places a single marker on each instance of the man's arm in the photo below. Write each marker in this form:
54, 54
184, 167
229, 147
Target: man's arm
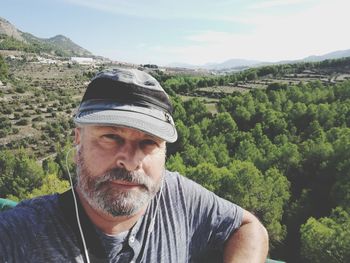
249, 243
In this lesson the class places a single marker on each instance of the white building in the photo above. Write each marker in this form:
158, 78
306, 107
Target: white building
82, 60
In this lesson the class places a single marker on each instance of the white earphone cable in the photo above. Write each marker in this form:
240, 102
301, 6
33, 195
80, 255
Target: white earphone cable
151, 226
76, 210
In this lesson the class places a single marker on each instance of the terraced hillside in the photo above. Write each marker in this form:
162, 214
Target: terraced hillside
37, 104
39, 99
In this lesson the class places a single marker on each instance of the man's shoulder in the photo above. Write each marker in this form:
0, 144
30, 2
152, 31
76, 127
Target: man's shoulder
31, 210
175, 179
171, 175
180, 186
38, 203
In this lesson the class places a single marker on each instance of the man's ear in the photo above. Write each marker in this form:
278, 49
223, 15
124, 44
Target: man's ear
77, 136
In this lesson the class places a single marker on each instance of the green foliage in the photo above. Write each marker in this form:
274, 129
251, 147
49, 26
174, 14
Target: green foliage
22, 122
20, 174
10, 43
222, 123
51, 184
286, 150
195, 111
264, 195
175, 163
3, 68
50, 166
208, 175
65, 152
327, 239
5, 126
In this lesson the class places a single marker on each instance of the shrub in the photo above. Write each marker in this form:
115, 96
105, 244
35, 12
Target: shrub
23, 122
39, 118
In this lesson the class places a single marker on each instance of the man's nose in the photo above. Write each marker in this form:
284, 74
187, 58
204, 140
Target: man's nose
129, 157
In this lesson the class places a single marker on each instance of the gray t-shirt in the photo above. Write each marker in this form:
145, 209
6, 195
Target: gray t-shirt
191, 225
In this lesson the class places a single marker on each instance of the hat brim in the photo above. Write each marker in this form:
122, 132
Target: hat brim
130, 119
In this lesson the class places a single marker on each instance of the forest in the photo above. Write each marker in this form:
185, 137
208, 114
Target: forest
282, 152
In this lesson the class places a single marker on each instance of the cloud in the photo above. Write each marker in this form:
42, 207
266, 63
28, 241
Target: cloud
116, 7
309, 27
314, 31
277, 3
208, 10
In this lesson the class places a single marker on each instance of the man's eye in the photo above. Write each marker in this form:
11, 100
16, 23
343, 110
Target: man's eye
148, 142
113, 137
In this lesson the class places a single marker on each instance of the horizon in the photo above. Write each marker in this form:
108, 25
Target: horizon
195, 32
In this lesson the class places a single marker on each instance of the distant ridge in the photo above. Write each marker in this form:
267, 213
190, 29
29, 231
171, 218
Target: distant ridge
239, 64
58, 45
231, 63
332, 55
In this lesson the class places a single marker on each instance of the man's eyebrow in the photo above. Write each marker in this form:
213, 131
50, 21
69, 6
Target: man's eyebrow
114, 128
120, 129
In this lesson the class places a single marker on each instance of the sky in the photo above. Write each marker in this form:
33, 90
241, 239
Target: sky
189, 31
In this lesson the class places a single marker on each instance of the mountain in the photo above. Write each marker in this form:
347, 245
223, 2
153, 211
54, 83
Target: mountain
232, 63
332, 55
239, 64
60, 44
182, 65
14, 39
6, 28
228, 64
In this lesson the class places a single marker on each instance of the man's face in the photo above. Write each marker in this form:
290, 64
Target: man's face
119, 169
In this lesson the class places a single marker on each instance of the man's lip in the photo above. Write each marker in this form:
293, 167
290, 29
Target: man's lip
125, 183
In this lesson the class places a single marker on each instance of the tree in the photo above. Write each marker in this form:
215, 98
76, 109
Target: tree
249, 151
183, 137
5, 126
3, 69
175, 163
251, 75
208, 175
222, 124
179, 111
196, 111
274, 123
219, 148
288, 157
195, 136
327, 239
20, 174
264, 195
50, 166
51, 184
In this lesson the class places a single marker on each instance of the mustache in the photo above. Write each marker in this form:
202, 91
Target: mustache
135, 177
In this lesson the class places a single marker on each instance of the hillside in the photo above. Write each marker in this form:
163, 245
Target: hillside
13, 39
38, 93
6, 28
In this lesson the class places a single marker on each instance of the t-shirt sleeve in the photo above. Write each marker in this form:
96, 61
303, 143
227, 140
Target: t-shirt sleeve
211, 220
12, 232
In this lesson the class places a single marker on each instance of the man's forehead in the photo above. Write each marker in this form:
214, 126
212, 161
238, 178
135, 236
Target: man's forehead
121, 130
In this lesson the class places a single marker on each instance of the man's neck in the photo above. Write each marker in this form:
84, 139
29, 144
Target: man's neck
106, 223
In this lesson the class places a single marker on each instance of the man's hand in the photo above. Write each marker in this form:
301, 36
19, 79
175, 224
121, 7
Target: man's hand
249, 243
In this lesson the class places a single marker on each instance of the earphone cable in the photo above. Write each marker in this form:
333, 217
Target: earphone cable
76, 210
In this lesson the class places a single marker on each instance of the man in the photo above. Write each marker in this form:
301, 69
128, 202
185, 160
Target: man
128, 207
